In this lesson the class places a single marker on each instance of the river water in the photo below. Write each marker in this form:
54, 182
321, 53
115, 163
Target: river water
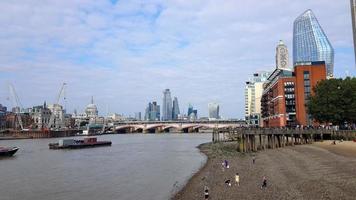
137, 166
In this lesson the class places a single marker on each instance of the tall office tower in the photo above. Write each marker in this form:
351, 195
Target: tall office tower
310, 42
167, 106
282, 56
152, 112
353, 15
253, 94
213, 111
192, 113
175, 111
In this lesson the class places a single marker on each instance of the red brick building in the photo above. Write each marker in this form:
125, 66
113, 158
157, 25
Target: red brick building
285, 95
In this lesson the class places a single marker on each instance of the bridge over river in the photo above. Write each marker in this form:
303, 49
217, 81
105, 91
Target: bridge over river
173, 126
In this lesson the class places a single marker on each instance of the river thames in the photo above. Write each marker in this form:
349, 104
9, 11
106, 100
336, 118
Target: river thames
136, 166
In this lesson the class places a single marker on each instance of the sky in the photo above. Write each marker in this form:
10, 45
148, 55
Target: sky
125, 53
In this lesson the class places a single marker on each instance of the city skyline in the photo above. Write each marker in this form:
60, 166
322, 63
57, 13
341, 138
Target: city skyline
126, 56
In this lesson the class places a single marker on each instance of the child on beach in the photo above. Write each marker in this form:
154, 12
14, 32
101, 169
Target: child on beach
237, 179
206, 192
264, 183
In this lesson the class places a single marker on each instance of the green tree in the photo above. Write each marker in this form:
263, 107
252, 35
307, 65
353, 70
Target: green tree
334, 101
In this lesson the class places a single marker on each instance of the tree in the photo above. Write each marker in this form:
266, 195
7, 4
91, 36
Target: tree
334, 101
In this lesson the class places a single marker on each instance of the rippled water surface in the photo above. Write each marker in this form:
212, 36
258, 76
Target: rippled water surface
134, 167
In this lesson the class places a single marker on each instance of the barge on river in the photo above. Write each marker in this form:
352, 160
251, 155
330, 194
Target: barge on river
78, 144
7, 152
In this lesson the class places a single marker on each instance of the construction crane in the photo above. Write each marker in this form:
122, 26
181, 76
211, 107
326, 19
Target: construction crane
17, 104
51, 119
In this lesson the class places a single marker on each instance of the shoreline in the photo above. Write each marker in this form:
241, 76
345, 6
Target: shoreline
299, 172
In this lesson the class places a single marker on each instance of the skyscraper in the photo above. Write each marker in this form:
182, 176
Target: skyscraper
175, 111
310, 43
167, 106
192, 114
213, 111
152, 112
282, 56
353, 15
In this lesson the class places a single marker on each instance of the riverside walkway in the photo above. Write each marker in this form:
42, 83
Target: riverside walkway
255, 139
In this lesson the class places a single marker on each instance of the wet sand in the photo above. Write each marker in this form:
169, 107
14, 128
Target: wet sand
315, 171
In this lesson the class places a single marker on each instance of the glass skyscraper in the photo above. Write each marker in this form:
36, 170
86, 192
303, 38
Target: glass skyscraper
167, 106
175, 111
310, 42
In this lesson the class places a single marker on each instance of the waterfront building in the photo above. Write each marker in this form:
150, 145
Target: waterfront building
175, 109
58, 116
282, 56
310, 42
213, 111
287, 92
152, 112
41, 116
253, 94
353, 15
167, 106
3, 109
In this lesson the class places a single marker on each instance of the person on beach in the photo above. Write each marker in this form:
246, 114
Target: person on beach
264, 183
228, 182
206, 192
237, 179
226, 164
253, 159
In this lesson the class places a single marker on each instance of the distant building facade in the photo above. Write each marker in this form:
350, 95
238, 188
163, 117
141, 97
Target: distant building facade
253, 94
91, 110
167, 106
287, 93
41, 116
175, 109
152, 112
138, 116
192, 113
58, 116
213, 111
310, 42
3, 111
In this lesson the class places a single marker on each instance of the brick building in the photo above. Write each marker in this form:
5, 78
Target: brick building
287, 92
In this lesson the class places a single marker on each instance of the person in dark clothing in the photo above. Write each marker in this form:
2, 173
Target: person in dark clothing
206, 193
264, 183
228, 182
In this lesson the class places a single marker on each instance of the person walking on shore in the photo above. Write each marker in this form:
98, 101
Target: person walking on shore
206, 192
226, 164
237, 179
253, 159
264, 183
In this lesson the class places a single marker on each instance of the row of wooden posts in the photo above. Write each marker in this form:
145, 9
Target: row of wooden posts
252, 140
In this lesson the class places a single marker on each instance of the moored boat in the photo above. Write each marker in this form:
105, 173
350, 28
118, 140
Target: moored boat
78, 144
8, 151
